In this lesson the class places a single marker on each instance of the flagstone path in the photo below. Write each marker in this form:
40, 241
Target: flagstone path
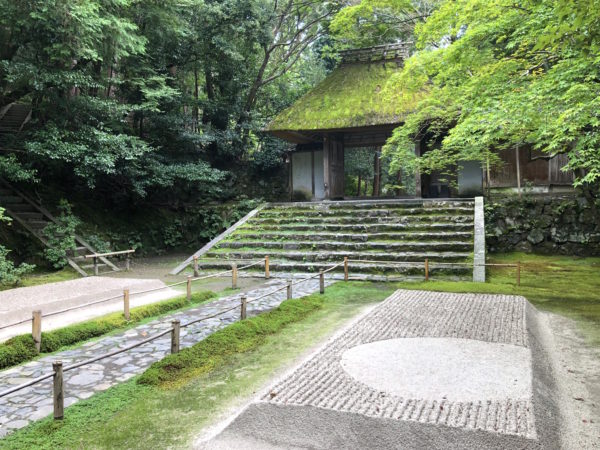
35, 402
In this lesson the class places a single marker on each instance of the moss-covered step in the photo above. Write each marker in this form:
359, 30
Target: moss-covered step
464, 246
268, 236
464, 270
254, 254
364, 228
423, 219
377, 212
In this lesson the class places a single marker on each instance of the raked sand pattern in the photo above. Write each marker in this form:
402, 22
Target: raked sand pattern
442, 318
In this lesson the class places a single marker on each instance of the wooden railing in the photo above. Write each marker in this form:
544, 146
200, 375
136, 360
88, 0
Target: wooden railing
57, 366
97, 256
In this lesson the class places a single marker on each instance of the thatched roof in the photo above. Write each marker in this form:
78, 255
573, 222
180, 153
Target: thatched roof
356, 94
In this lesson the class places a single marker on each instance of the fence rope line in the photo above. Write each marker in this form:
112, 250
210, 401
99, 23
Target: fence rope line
131, 294
149, 339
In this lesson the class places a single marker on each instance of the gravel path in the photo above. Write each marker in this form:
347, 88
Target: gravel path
17, 304
33, 403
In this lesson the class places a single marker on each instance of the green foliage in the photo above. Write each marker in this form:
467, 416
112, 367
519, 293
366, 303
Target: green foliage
236, 338
375, 22
501, 74
60, 236
22, 348
9, 273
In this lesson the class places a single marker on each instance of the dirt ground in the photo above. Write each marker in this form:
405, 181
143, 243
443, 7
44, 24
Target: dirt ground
577, 367
158, 267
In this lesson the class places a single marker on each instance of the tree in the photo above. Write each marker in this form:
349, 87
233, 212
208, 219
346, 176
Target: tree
500, 74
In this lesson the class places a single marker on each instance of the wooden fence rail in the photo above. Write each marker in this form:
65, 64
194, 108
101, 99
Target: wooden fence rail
58, 369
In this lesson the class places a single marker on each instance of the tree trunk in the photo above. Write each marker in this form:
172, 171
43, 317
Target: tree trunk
376, 177
359, 183
195, 109
399, 183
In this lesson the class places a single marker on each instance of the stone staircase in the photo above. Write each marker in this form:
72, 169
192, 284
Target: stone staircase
307, 237
34, 218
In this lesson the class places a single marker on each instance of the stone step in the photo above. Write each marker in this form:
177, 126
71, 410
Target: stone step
19, 207
4, 192
10, 200
337, 256
375, 204
30, 215
464, 246
364, 228
415, 268
378, 212
362, 220
358, 237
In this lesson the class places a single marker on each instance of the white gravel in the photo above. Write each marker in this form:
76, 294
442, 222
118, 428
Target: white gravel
18, 304
457, 370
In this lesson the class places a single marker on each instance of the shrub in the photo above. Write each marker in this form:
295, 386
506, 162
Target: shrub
60, 236
235, 338
21, 348
9, 273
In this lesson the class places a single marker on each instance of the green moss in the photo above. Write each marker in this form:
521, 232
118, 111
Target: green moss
20, 349
239, 337
351, 96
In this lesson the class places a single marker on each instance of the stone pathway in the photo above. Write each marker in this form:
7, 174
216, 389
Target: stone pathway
33, 403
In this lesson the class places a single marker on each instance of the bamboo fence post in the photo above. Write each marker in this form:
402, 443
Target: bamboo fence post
345, 268
175, 331
127, 264
321, 282
243, 302
36, 329
426, 269
126, 303
234, 276
267, 268
189, 288
289, 289
58, 390
518, 273
196, 272
95, 266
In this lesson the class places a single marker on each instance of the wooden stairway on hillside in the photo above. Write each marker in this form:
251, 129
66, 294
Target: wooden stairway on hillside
34, 218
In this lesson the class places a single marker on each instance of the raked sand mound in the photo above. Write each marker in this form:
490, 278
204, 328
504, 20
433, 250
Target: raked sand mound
421, 370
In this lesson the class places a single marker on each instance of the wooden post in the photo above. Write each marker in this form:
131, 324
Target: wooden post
95, 266
189, 288
234, 276
289, 289
127, 263
176, 328
345, 268
36, 329
518, 170
518, 273
126, 303
321, 282
426, 269
243, 302
196, 272
267, 268
59, 390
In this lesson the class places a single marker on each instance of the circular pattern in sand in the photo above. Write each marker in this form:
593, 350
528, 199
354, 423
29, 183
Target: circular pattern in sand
442, 369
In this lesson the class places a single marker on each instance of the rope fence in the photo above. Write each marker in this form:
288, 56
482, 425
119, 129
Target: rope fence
57, 366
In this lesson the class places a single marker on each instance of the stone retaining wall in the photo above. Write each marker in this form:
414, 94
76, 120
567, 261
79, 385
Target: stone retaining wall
565, 225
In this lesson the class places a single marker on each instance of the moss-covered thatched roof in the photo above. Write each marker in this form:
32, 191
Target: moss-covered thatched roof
353, 95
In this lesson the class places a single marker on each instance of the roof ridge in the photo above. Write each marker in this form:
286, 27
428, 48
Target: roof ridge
386, 52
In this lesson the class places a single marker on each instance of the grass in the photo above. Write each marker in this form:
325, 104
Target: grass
20, 349
564, 285
42, 277
135, 415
